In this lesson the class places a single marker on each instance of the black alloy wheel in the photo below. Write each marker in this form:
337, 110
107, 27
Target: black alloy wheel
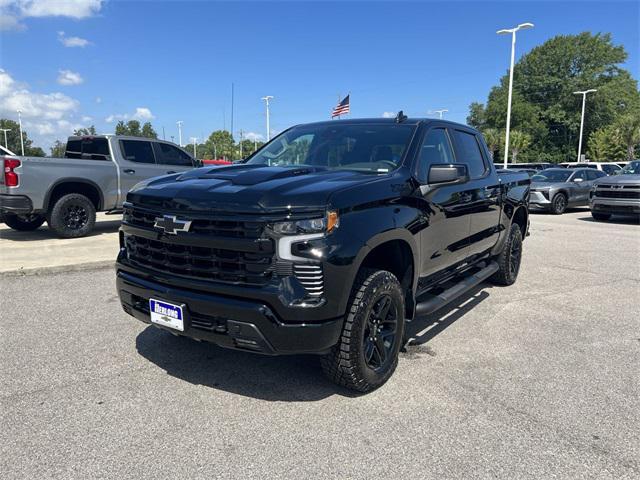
380, 333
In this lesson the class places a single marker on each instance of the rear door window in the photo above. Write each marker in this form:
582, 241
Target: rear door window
138, 151
468, 151
169, 155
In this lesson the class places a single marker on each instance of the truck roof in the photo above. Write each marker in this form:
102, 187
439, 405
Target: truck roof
382, 121
119, 137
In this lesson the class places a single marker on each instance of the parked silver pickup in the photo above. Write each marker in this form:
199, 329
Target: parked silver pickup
95, 175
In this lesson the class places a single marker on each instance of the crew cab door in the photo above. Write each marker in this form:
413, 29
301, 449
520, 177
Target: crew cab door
137, 163
580, 187
483, 190
172, 159
444, 237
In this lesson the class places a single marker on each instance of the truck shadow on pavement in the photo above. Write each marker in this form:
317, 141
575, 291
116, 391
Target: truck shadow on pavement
45, 233
287, 378
616, 219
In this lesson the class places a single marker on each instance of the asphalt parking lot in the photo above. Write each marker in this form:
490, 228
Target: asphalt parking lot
537, 380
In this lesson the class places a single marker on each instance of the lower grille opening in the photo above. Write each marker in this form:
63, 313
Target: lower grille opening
311, 278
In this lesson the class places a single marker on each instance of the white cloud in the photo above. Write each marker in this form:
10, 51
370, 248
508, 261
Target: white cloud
72, 41
59, 8
389, 114
253, 136
13, 11
141, 113
46, 116
67, 77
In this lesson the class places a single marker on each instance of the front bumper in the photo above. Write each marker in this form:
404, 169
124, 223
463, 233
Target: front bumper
539, 200
18, 204
229, 322
615, 206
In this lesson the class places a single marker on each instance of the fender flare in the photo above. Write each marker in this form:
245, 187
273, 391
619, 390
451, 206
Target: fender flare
86, 181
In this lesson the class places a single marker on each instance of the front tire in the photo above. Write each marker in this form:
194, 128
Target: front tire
23, 223
601, 217
559, 204
509, 258
73, 215
367, 353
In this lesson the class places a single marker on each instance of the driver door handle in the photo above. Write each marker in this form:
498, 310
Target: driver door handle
130, 171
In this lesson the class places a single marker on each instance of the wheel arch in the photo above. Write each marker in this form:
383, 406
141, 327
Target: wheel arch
83, 186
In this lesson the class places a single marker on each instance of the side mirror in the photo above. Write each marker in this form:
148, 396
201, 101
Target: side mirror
448, 174
578, 180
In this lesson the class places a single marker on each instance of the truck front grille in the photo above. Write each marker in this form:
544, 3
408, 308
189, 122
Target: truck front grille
215, 227
311, 278
204, 263
618, 193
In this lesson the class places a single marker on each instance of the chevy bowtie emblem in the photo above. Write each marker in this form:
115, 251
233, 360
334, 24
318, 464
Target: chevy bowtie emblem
171, 225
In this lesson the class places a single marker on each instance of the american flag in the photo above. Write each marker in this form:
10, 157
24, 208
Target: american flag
342, 108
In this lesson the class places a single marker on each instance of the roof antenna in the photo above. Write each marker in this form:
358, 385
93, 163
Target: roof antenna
401, 117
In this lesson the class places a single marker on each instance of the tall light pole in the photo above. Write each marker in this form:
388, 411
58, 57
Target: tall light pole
584, 101
5, 130
21, 139
441, 112
512, 31
194, 140
266, 101
179, 123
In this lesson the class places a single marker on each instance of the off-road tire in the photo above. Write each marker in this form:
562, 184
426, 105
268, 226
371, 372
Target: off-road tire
601, 217
23, 223
73, 215
346, 364
559, 204
509, 258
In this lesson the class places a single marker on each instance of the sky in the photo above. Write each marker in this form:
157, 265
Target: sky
73, 63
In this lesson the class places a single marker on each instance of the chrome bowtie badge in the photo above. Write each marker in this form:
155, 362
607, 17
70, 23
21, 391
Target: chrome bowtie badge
171, 225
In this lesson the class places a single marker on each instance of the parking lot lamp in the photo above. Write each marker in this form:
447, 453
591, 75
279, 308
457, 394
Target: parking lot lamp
512, 31
584, 101
21, 139
194, 140
266, 101
179, 123
441, 112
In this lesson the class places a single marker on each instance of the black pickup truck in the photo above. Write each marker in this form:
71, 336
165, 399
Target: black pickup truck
327, 241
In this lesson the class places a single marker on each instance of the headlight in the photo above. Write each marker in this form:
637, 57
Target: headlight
325, 224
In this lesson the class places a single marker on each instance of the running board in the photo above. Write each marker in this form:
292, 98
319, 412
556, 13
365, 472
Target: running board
114, 212
436, 302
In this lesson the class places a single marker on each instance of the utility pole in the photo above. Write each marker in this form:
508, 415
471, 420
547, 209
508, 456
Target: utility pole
21, 139
241, 132
441, 112
179, 123
232, 94
266, 101
584, 102
163, 137
5, 130
512, 31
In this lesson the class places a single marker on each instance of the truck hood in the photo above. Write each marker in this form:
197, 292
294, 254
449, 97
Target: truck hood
620, 180
247, 188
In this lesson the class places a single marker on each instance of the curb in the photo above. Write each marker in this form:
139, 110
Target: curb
76, 267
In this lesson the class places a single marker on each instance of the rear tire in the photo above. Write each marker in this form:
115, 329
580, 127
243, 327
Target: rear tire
367, 353
559, 204
23, 223
509, 258
601, 217
73, 215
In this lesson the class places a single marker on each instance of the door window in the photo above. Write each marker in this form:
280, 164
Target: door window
579, 174
170, 155
138, 151
436, 148
593, 174
470, 153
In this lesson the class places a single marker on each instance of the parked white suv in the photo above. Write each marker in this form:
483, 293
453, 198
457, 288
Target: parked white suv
610, 168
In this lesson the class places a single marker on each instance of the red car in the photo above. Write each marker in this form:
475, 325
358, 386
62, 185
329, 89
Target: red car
215, 162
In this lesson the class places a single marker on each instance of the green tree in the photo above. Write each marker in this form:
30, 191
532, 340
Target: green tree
628, 128
221, 143
518, 141
131, 128
494, 139
85, 131
477, 117
148, 131
13, 139
58, 148
544, 105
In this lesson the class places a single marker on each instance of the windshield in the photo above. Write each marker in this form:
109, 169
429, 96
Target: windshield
552, 175
632, 168
367, 148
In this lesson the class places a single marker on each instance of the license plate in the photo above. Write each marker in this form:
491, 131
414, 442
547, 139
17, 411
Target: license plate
166, 314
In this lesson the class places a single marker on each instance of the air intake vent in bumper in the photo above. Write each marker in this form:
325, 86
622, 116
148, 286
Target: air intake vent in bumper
311, 278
